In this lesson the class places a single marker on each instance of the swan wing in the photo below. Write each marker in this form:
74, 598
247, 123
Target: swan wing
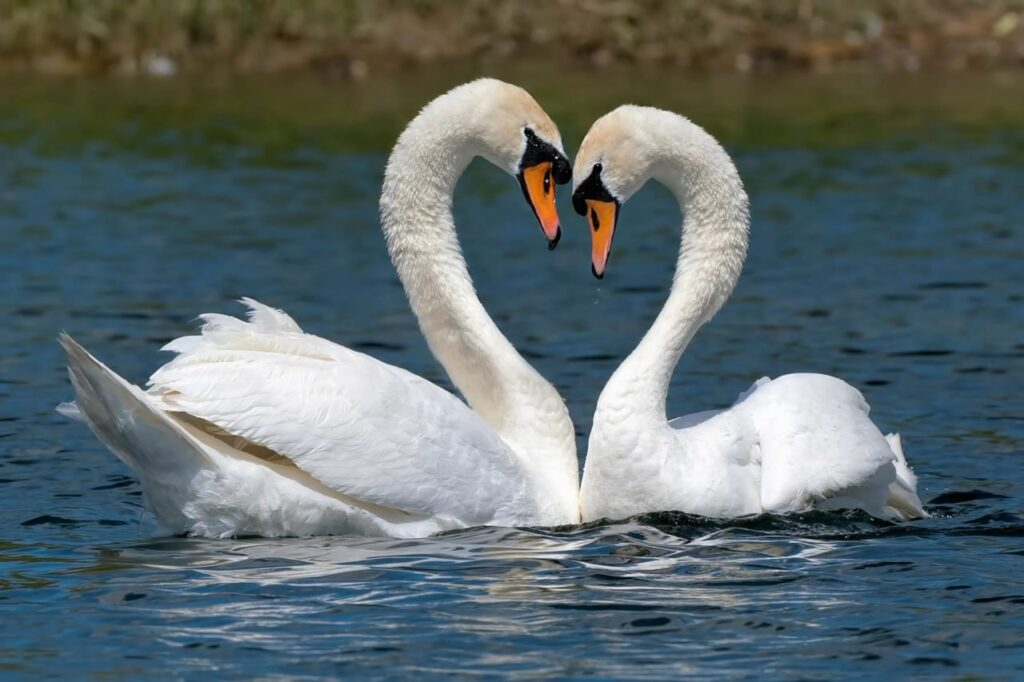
359, 426
816, 441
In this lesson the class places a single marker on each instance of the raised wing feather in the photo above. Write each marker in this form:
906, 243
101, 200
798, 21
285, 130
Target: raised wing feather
815, 440
362, 427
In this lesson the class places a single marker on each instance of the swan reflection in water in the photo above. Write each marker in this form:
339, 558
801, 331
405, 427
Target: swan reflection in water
618, 566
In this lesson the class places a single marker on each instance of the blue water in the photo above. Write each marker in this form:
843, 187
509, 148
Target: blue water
895, 264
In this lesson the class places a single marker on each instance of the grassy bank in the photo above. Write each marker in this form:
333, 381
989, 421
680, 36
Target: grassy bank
359, 38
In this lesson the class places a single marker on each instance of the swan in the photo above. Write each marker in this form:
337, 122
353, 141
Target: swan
793, 443
257, 428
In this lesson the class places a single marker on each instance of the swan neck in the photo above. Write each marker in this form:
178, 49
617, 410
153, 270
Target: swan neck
713, 247
416, 217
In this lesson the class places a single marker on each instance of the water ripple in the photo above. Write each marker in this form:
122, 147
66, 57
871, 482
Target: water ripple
873, 274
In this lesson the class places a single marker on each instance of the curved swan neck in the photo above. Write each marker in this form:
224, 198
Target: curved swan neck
416, 217
716, 221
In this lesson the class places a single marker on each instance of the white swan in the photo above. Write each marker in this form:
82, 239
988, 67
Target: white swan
257, 428
794, 443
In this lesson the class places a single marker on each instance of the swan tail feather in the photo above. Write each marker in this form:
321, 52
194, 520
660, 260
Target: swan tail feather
903, 498
126, 420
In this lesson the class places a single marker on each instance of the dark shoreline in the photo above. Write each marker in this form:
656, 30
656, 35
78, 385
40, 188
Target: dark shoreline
304, 119
356, 39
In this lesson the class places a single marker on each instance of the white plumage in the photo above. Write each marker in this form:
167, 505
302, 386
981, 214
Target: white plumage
369, 430
258, 428
248, 410
794, 443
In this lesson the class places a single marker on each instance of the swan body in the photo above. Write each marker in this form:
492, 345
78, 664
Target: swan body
794, 443
257, 428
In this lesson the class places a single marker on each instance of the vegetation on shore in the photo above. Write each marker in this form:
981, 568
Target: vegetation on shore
303, 119
358, 38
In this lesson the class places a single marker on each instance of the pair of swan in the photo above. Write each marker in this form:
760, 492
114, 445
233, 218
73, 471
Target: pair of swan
257, 428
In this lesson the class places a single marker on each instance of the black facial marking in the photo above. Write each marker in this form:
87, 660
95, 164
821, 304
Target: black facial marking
539, 151
561, 170
594, 220
591, 188
554, 242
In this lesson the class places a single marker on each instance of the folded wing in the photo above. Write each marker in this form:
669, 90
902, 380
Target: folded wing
360, 426
816, 441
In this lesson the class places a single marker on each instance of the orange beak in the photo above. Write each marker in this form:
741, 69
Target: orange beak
602, 216
539, 189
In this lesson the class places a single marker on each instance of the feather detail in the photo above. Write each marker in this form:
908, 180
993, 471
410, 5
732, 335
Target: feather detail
269, 320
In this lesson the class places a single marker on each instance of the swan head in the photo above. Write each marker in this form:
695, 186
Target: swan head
516, 134
613, 162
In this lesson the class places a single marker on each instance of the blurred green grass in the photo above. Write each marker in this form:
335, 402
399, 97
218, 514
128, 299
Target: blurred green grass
358, 38
278, 120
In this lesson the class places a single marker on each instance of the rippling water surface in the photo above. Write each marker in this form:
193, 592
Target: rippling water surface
890, 255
